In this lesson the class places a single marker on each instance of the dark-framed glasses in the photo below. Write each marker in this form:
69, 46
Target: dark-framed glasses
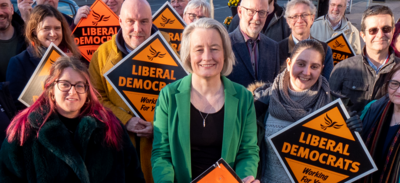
302, 16
65, 86
375, 30
193, 16
251, 12
393, 84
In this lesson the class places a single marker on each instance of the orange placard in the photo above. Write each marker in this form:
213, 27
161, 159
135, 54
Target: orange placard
168, 20
341, 49
139, 77
35, 85
100, 25
219, 172
321, 148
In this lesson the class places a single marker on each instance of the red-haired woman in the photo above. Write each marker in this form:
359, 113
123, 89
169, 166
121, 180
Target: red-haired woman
396, 39
67, 135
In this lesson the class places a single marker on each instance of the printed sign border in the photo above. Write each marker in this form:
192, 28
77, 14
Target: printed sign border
158, 13
345, 39
44, 58
127, 57
335, 102
215, 165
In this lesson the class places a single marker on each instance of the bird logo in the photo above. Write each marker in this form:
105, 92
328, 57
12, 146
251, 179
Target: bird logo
330, 123
337, 44
99, 18
166, 21
155, 54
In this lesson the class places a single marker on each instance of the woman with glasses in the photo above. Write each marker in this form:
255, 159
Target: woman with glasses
45, 26
195, 10
382, 131
67, 135
296, 92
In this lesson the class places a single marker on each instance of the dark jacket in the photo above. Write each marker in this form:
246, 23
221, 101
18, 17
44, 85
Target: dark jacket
18, 25
277, 29
285, 50
376, 123
69, 19
261, 103
357, 80
19, 71
268, 60
56, 156
7, 109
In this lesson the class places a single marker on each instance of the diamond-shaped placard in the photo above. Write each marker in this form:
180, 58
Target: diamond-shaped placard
139, 77
100, 25
35, 85
166, 19
341, 48
321, 148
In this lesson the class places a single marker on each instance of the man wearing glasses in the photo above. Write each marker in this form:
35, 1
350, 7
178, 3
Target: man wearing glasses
334, 23
179, 6
361, 77
196, 9
300, 16
256, 54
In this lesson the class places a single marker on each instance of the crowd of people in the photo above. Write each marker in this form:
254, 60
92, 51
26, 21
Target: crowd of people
268, 69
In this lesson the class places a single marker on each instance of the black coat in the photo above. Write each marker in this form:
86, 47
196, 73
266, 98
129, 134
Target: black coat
56, 156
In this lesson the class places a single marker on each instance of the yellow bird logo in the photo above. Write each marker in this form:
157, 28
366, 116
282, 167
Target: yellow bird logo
330, 123
166, 21
99, 18
337, 44
155, 54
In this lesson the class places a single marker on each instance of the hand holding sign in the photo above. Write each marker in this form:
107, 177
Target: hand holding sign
354, 122
25, 8
140, 127
83, 12
250, 179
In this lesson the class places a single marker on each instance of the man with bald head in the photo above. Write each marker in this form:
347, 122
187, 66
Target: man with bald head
12, 39
136, 26
334, 23
256, 54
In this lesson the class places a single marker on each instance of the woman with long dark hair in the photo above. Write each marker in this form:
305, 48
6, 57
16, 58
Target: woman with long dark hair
67, 135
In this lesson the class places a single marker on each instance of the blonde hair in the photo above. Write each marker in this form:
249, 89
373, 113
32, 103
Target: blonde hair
207, 23
203, 5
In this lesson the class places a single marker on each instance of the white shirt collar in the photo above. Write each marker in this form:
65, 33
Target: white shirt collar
296, 41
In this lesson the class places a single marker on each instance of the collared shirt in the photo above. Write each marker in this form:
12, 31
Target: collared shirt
252, 47
377, 68
296, 41
127, 48
337, 26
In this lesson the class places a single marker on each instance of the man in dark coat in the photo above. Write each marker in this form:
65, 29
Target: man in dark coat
275, 26
256, 54
12, 39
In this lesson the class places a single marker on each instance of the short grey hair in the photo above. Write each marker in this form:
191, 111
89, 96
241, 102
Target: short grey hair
202, 4
292, 3
207, 23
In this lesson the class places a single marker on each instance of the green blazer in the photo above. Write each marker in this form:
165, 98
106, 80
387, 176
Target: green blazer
171, 156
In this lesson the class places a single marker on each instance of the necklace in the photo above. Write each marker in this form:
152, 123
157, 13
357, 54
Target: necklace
204, 118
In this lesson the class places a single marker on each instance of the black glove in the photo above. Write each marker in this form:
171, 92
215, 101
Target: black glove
354, 122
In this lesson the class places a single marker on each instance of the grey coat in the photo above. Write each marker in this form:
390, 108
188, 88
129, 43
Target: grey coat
357, 80
277, 29
268, 60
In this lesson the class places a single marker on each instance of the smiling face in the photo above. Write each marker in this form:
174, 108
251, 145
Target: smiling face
6, 12
136, 22
380, 41
336, 10
49, 31
69, 103
252, 25
192, 15
179, 6
53, 3
114, 5
206, 53
394, 95
305, 69
300, 26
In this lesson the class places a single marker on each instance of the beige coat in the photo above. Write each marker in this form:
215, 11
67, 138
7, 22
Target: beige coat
322, 31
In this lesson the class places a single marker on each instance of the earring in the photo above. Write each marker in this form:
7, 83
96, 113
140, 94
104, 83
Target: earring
52, 98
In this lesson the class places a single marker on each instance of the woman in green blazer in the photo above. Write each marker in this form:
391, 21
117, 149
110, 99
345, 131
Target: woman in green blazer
204, 116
